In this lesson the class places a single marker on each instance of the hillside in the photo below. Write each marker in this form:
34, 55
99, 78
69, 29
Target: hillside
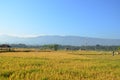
63, 40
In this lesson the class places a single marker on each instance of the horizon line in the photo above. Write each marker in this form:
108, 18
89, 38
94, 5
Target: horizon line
38, 35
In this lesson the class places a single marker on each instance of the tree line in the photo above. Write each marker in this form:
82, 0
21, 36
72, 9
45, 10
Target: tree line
67, 47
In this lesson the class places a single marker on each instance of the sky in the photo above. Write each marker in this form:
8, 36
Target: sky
88, 18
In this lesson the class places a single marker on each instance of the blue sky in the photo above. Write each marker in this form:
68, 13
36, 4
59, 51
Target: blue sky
90, 18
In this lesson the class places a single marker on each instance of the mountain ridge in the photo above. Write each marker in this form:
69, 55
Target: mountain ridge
55, 39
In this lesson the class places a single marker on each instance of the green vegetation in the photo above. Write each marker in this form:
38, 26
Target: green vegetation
59, 65
68, 47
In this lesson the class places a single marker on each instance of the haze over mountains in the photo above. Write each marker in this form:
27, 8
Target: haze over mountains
63, 40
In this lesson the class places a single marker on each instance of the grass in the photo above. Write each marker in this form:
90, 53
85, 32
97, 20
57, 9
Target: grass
59, 65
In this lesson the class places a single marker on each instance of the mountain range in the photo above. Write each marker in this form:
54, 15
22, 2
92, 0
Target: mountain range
63, 40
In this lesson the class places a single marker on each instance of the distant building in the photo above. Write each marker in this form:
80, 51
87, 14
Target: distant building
5, 47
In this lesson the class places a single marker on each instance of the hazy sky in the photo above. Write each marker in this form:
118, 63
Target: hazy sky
91, 18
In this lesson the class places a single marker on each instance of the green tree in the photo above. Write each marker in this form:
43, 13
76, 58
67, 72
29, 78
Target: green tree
55, 47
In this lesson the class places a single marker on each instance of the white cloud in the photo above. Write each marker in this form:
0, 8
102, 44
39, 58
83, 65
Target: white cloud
21, 36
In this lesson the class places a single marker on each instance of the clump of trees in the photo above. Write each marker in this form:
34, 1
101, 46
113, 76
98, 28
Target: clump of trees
118, 50
51, 47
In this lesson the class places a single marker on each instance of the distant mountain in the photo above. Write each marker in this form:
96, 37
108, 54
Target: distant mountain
63, 40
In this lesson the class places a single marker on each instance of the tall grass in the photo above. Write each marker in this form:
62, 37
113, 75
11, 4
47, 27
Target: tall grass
59, 65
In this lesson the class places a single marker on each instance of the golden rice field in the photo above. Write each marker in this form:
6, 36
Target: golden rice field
59, 65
